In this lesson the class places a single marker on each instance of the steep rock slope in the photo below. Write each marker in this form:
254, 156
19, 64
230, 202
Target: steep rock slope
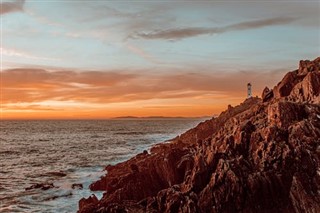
260, 156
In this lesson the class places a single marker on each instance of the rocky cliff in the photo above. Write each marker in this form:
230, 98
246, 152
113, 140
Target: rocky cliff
260, 156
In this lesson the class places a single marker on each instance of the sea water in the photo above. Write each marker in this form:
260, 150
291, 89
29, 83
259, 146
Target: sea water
69, 152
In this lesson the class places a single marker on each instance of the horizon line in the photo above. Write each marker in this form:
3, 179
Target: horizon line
111, 118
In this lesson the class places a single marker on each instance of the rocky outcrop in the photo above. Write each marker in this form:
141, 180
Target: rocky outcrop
301, 85
42, 186
77, 186
267, 94
87, 204
260, 156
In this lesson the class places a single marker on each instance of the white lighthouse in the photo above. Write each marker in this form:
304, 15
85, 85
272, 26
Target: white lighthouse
249, 90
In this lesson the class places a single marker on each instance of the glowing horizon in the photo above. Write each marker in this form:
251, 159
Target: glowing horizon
105, 59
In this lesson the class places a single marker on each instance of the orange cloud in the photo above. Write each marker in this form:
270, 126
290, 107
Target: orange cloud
9, 7
95, 94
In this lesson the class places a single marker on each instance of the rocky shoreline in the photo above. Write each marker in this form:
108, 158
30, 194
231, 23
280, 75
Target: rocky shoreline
260, 156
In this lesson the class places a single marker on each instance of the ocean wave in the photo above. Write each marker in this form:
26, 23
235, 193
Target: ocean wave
130, 133
9, 152
56, 196
97, 136
67, 152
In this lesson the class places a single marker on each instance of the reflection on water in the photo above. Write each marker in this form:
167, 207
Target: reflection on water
66, 153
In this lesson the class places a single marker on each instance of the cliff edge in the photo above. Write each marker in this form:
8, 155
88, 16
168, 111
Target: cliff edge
260, 156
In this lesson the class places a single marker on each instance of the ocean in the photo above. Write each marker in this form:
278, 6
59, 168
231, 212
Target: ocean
67, 152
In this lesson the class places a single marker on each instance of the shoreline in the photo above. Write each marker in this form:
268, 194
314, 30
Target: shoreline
237, 161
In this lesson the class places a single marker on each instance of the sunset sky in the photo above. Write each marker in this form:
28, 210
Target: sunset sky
102, 59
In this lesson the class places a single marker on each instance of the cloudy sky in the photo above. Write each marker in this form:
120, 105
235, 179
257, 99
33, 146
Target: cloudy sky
101, 59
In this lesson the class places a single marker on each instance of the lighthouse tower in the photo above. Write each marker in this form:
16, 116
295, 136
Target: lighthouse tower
249, 90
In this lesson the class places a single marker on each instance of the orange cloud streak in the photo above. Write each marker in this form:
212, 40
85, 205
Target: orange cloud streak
39, 93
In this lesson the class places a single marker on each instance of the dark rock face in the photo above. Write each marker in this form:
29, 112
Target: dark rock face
42, 186
260, 156
301, 85
77, 186
86, 204
267, 94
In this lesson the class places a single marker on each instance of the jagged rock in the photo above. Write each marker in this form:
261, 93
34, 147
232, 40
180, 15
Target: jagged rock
77, 186
87, 204
309, 66
283, 113
260, 156
308, 89
267, 94
42, 186
301, 85
284, 87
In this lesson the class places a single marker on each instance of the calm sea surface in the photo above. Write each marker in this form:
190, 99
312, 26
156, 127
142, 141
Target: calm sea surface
34, 152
